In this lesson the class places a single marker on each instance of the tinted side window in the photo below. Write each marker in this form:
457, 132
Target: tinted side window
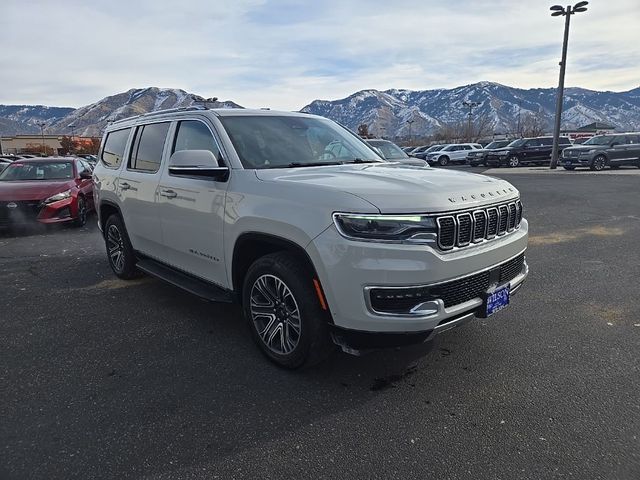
113, 150
148, 147
563, 141
194, 135
545, 142
631, 139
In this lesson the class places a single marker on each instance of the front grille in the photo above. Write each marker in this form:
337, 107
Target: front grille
24, 211
455, 292
475, 226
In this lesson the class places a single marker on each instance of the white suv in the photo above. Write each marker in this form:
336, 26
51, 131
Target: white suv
301, 222
454, 153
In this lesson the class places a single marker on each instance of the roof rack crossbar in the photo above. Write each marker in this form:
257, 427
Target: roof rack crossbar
161, 112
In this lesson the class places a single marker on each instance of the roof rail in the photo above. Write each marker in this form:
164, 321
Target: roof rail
161, 112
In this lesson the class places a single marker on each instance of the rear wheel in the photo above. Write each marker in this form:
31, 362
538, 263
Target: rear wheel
599, 163
120, 254
513, 161
284, 313
443, 161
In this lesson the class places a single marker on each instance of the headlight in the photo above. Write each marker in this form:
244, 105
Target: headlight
503, 153
58, 196
385, 227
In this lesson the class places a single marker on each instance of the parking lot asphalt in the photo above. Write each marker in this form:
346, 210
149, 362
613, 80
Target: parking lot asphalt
102, 378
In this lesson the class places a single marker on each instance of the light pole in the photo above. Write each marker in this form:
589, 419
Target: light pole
42, 125
470, 106
410, 122
73, 132
559, 10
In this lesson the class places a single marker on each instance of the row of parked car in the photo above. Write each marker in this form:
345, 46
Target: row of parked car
596, 153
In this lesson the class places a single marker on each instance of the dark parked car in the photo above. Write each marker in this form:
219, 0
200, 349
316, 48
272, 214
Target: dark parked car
525, 151
52, 190
390, 151
598, 152
423, 153
476, 158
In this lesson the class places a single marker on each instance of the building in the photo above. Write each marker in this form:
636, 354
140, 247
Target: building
39, 144
596, 128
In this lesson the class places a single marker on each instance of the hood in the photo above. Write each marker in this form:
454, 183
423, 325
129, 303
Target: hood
32, 190
397, 188
586, 148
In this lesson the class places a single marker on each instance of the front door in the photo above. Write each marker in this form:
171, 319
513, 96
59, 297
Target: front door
137, 187
192, 210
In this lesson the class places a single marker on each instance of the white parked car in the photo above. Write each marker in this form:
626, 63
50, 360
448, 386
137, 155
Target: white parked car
453, 153
297, 219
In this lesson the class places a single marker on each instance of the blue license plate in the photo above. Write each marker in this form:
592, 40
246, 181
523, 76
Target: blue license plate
498, 300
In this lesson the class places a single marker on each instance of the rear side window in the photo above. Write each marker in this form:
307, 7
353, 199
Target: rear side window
148, 146
114, 145
546, 142
563, 141
632, 139
194, 135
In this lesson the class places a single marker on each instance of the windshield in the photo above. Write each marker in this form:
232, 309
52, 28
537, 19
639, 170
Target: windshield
500, 144
435, 148
37, 171
272, 141
517, 143
600, 140
389, 150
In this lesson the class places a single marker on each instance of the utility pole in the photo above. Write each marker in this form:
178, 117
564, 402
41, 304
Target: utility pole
559, 10
410, 122
42, 125
73, 131
470, 106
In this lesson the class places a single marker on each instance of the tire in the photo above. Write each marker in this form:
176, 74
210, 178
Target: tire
599, 163
513, 161
120, 254
569, 168
284, 313
82, 213
443, 161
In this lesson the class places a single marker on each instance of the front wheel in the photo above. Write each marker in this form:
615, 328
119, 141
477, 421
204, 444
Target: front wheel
81, 219
285, 314
514, 161
120, 254
599, 163
443, 161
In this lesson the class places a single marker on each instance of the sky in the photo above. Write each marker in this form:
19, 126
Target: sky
283, 54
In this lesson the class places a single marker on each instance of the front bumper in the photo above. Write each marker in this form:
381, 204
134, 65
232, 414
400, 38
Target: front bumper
349, 270
581, 160
32, 211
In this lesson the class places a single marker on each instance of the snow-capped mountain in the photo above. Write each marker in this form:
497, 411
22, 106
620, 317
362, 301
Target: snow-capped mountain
25, 118
92, 119
388, 112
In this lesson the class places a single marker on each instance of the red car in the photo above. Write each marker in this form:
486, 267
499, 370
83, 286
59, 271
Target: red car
47, 190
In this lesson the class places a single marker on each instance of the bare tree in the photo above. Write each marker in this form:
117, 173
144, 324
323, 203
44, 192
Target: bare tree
534, 124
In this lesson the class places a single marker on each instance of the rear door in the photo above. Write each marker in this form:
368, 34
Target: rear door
137, 187
630, 150
192, 209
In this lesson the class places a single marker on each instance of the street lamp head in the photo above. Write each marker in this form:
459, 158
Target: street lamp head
580, 5
579, 9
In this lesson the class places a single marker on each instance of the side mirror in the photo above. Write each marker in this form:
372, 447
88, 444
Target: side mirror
197, 163
86, 175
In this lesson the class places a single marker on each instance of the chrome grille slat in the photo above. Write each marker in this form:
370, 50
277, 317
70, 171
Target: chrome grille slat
475, 226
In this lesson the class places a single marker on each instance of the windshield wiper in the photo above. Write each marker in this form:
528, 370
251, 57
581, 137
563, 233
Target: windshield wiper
359, 160
309, 164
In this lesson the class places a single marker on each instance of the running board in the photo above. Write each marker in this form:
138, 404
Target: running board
191, 284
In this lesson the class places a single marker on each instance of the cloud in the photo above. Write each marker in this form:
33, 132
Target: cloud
285, 53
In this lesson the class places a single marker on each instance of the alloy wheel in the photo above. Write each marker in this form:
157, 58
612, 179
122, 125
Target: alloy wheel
82, 212
115, 248
275, 314
599, 163
514, 161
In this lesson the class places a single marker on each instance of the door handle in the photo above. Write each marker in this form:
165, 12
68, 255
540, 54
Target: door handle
168, 193
124, 186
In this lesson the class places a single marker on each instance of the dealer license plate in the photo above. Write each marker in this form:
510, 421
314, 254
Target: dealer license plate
498, 299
